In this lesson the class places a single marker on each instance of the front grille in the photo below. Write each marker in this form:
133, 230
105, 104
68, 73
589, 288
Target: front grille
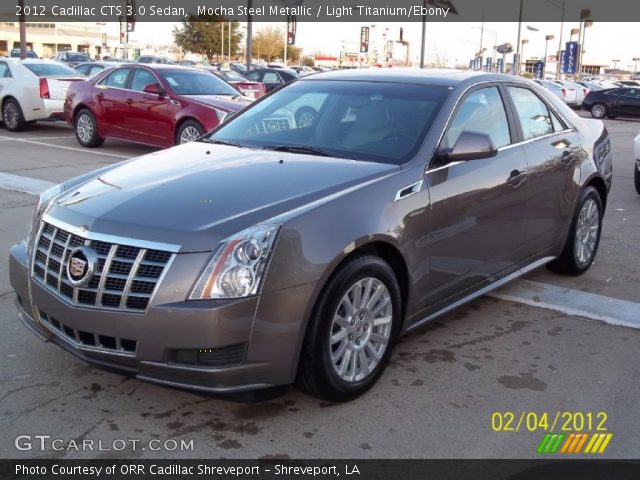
125, 277
83, 338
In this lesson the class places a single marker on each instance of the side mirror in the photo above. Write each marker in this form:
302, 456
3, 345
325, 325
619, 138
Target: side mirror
471, 146
153, 89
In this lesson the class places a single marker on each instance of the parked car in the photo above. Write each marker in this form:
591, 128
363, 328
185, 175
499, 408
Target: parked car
32, 90
267, 253
240, 68
15, 53
271, 77
72, 58
580, 91
155, 59
569, 97
91, 69
303, 70
613, 102
159, 105
251, 89
636, 171
628, 83
591, 86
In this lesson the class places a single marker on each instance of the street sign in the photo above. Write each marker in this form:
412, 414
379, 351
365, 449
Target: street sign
364, 39
499, 65
562, 55
570, 61
489, 65
478, 65
472, 64
538, 70
292, 25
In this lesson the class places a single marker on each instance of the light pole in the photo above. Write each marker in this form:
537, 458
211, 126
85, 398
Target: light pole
587, 24
635, 61
23, 31
516, 67
435, 3
615, 63
547, 38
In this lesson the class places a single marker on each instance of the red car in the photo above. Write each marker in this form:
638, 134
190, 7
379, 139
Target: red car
248, 87
160, 105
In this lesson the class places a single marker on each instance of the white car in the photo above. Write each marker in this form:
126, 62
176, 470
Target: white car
32, 90
575, 92
636, 173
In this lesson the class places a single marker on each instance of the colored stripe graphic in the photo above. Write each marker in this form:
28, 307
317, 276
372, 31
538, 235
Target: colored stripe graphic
574, 443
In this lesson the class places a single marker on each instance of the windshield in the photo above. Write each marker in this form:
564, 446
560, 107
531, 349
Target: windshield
77, 57
374, 121
47, 69
188, 82
231, 76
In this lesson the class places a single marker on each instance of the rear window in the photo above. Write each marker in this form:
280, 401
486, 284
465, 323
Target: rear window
49, 69
78, 57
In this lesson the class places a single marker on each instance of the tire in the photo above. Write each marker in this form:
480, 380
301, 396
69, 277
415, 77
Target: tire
577, 256
12, 116
636, 178
367, 334
189, 131
598, 110
306, 117
86, 129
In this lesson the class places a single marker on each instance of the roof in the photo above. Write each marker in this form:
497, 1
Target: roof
443, 77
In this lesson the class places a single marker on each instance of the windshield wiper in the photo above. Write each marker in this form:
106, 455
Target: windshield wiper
222, 142
300, 149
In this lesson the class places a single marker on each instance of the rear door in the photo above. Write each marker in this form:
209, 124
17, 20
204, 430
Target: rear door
553, 151
630, 102
5, 77
109, 98
476, 205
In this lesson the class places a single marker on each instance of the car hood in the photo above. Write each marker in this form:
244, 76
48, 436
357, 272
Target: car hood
228, 103
197, 194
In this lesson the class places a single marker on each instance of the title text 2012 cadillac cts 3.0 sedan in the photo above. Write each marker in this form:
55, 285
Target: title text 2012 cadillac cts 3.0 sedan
272, 252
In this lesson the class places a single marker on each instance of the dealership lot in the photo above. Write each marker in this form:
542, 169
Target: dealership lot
436, 400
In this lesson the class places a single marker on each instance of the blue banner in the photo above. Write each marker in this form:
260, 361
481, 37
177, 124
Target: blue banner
478, 65
472, 64
500, 65
570, 60
538, 70
562, 61
489, 64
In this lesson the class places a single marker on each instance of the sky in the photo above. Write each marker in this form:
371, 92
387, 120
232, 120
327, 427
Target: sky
454, 41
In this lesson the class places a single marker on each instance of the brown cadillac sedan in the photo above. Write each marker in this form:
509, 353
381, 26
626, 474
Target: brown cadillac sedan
274, 251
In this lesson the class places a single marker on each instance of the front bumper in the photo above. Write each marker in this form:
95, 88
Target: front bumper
259, 337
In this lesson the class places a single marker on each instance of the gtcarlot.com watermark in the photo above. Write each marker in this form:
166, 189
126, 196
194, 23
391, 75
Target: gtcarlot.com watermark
49, 443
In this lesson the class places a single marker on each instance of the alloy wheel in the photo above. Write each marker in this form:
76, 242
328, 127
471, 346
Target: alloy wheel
84, 128
189, 134
598, 111
587, 231
11, 115
361, 329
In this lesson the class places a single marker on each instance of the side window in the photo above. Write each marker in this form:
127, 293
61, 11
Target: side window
95, 70
4, 70
481, 112
271, 77
117, 79
558, 126
141, 78
534, 115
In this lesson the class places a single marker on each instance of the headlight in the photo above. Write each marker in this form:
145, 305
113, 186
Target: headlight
238, 265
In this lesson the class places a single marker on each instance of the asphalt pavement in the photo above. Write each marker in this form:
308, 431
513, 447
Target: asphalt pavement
544, 344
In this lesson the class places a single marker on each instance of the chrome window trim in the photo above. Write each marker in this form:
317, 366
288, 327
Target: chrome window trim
105, 237
442, 167
534, 139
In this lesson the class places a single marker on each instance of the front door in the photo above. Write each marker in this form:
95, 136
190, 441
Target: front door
477, 225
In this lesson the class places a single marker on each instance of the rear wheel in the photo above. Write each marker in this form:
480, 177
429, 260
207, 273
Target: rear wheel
189, 131
636, 178
12, 116
86, 129
584, 236
598, 110
352, 331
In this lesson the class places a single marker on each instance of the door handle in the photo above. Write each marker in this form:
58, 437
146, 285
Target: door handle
516, 178
568, 153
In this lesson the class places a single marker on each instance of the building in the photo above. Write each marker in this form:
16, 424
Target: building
49, 38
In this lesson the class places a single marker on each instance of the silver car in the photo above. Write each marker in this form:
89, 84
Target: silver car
271, 252
567, 94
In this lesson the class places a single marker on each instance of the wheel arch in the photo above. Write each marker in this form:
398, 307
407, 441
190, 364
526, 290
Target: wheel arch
182, 121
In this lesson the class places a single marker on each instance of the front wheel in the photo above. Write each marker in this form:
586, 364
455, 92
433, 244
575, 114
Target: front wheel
598, 110
636, 178
352, 330
189, 131
584, 236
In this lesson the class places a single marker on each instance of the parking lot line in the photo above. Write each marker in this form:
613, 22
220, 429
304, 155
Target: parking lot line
572, 302
73, 149
19, 183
